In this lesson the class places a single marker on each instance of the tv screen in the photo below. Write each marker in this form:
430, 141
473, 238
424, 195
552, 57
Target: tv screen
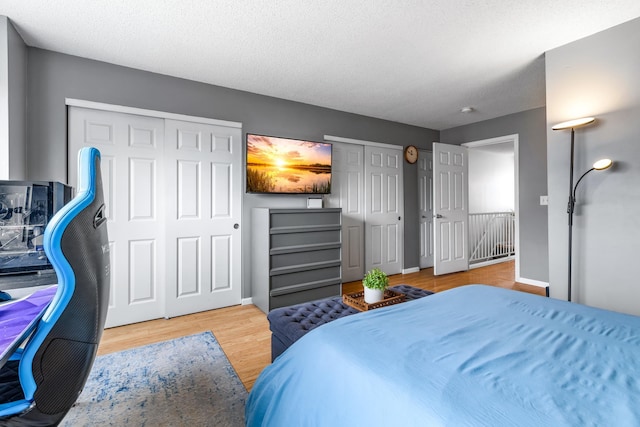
291, 166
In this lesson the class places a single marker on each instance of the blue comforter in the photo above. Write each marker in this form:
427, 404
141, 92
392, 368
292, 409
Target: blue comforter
471, 356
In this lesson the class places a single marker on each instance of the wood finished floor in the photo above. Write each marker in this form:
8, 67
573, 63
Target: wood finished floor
243, 331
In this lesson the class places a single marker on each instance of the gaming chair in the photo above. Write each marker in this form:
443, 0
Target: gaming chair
40, 383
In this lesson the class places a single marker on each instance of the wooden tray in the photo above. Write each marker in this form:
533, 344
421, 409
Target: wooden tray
356, 300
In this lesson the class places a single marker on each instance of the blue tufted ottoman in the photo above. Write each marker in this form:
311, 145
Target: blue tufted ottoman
288, 324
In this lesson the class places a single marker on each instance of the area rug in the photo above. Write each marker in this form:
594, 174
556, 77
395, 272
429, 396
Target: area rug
183, 382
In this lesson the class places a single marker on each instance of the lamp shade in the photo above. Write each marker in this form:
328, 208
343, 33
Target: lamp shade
574, 123
602, 164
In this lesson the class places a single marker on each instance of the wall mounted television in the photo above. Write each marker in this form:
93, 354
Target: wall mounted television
287, 166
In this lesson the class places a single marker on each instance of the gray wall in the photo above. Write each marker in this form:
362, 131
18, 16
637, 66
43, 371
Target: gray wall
13, 86
4, 98
17, 103
491, 183
596, 76
532, 164
52, 77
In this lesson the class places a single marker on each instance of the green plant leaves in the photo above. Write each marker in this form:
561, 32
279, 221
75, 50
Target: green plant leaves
375, 279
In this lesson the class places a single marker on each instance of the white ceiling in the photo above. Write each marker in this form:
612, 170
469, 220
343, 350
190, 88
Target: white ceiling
411, 61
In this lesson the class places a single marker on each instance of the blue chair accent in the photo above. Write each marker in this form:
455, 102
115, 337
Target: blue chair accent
56, 361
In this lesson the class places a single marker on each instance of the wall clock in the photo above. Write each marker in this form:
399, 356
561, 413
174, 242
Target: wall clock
411, 154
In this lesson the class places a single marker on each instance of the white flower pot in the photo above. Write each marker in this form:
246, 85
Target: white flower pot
373, 295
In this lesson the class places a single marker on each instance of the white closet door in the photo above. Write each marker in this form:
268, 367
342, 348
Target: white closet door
204, 179
347, 193
425, 198
132, 172
384, 209
173, 199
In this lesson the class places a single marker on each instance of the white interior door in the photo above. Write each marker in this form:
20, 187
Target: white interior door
451, 213
347, 193
203, 175
384, 209
425, 199
132, 172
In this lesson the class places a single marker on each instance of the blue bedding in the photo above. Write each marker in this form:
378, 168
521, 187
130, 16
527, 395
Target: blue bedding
470, 356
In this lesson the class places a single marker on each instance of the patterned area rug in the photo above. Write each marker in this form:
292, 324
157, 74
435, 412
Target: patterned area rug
183, 382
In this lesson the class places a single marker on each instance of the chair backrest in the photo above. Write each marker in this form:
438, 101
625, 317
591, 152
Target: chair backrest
57, 359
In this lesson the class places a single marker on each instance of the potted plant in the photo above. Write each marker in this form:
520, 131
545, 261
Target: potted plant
374, 282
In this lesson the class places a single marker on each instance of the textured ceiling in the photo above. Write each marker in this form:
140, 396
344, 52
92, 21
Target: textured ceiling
411, 61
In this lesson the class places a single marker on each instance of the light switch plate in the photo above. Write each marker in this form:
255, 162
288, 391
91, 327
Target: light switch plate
544, 200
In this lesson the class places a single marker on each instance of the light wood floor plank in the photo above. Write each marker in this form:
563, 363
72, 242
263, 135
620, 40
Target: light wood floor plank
243, 331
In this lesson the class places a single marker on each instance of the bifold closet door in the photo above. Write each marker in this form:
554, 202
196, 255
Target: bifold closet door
132, 171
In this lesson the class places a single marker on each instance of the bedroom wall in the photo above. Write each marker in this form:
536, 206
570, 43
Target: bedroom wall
491, 186
4, 98
596, 76
13, 86
532, 164
53, 77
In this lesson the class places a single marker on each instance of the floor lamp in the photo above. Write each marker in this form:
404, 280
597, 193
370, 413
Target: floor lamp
599, 165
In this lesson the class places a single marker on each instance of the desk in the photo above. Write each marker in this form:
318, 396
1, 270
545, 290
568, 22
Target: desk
27, 280
19, 318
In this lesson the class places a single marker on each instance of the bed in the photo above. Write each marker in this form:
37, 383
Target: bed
471, 356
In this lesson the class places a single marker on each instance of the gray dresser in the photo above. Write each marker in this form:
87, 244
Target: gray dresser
295, 256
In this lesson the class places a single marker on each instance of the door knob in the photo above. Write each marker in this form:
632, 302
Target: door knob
438, 216
236, 226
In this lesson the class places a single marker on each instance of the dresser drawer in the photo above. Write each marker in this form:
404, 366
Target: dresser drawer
311, 218
306, 276
311, 237
304, 258
304, 296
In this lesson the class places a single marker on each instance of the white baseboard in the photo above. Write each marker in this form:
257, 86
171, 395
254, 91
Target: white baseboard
410, 270
532, 282
246, 301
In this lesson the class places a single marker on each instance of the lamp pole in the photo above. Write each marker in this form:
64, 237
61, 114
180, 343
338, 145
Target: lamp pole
601, 164
570, 207
571, 124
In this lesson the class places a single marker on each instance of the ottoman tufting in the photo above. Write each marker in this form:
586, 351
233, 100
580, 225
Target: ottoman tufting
288, 324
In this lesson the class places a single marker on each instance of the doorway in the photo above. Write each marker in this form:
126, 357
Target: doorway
504, 146
493, 201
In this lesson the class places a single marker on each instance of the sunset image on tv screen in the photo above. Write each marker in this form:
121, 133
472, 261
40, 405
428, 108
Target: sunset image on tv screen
281, 165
